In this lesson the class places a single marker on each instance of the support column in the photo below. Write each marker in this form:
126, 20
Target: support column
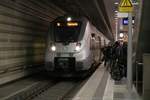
129, 58
116, 30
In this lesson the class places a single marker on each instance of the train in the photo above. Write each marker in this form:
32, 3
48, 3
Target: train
73, 46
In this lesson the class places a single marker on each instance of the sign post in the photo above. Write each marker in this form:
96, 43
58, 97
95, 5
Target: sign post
116, 29
126, 6
129, 56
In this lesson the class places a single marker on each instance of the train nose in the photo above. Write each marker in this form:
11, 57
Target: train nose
64, 63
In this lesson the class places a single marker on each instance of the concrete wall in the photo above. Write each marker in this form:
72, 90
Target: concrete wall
144, 47
146, 79
144, 33
23, 29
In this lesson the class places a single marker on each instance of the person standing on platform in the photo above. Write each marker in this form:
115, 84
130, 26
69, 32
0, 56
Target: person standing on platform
104, 55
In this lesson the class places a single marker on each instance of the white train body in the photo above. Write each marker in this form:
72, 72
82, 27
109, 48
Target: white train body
75, 51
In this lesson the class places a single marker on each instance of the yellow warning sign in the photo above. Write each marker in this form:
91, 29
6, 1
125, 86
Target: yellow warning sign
125, 6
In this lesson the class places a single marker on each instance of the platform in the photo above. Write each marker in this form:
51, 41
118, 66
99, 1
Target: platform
117, 90
100, 86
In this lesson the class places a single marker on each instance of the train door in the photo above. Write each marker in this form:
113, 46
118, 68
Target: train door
92, 47
97, 48
100, 48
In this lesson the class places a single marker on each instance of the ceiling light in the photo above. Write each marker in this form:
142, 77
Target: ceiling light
121, 35
116, 11
116, 3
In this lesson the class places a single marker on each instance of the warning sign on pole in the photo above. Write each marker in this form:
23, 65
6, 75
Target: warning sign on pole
125, 6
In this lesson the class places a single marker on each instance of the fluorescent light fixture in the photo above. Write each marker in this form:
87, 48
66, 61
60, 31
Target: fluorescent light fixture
116, 3
116, 11
121, 15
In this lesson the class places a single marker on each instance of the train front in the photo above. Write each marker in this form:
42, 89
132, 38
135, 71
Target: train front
66, 53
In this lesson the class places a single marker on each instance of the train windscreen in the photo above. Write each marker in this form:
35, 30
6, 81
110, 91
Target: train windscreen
67, 31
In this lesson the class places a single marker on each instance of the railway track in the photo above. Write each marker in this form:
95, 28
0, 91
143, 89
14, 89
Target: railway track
58, 91
26, 87
38, 89
29, 92
42, 88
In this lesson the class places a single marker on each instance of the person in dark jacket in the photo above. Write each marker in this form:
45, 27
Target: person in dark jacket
107, 55
104, 50
119, 66
125, 57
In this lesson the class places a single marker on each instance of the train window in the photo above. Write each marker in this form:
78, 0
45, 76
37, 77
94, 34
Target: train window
93, 36
67, 32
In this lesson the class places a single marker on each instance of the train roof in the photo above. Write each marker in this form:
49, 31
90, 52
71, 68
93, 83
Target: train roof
73, 18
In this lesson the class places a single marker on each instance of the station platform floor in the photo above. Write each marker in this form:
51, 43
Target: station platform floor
118, 90
100, 86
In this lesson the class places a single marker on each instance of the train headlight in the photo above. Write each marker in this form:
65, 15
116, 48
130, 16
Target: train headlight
78, 46
53, 48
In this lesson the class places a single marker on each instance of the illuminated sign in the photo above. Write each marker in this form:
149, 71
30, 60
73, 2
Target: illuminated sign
125, 21
72, 24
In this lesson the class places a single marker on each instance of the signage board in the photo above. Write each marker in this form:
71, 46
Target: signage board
125, 6
125, 21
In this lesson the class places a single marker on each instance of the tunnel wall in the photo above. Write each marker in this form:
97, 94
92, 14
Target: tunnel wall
23, 29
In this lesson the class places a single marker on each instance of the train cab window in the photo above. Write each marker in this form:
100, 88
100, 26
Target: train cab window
67, 31
93, 36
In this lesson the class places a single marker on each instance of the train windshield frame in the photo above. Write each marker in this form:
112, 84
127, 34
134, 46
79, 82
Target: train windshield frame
67, 31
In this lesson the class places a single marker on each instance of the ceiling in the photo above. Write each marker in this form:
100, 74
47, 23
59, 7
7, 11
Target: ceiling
99, 12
